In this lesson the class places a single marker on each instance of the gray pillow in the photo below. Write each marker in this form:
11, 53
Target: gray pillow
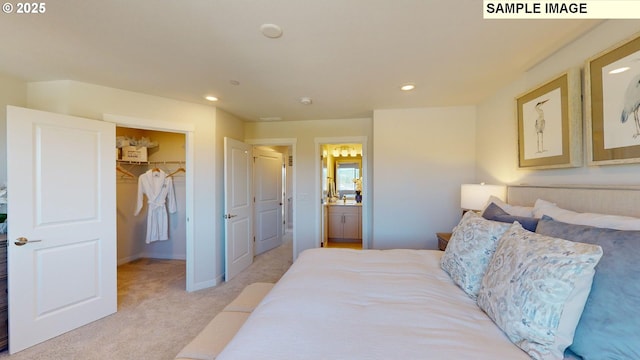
608, 328
495, 213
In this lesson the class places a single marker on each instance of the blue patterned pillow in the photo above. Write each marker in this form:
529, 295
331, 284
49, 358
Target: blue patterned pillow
469, 250
535, 289
495, 213
609, 326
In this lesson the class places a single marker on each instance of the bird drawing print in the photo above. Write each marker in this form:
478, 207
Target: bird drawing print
540, 124
632, 103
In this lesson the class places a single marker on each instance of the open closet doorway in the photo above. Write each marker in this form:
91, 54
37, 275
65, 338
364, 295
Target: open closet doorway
342, 172
151, 210
186, 133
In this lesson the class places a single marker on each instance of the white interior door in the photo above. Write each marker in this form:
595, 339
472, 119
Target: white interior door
62, 227
267, 182
238, 233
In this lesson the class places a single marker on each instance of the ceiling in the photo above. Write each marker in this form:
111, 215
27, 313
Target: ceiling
349, 56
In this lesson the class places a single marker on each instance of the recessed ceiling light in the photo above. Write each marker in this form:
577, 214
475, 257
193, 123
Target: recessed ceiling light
271, 31
619, 70
306, 100
407, 87
234, 82
211, 98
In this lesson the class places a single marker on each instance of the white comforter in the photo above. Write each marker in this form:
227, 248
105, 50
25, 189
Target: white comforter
372, 304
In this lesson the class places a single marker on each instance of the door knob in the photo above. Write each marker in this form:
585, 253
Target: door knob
23, 241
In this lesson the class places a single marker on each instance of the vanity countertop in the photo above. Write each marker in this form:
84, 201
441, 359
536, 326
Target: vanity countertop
343, 203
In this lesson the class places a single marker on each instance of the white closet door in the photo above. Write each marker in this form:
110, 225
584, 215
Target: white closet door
267, 184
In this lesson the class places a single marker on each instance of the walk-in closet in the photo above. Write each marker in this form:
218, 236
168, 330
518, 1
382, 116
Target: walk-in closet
157, 242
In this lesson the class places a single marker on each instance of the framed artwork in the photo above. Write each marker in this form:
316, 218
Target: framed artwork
550, 124
612, 89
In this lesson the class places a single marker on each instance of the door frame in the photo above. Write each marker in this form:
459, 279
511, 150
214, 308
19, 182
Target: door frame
188, 131
366, 175
285, 142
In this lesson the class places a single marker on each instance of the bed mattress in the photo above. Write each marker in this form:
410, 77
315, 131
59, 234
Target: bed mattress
368, 304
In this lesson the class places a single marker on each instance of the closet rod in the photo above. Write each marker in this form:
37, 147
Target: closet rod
150, 162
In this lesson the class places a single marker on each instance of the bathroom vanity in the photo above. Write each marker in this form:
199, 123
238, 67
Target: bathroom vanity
344, 221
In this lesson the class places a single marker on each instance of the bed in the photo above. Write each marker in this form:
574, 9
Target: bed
503, 292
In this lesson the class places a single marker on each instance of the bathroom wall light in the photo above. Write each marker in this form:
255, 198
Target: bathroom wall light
345, 151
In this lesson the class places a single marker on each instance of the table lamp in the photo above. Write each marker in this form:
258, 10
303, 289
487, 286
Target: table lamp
473, 197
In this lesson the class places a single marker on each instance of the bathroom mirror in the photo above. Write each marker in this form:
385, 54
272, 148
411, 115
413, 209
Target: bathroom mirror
345, 172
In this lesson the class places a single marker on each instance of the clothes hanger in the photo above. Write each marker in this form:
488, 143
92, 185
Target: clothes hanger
124, 172
180, 169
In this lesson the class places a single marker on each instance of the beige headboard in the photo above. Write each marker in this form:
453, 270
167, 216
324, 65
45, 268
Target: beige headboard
603, 199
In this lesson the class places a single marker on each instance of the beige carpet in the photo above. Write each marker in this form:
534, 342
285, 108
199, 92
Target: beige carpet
156, 317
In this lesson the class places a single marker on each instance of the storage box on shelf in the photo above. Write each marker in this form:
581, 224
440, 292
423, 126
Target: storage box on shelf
132, 153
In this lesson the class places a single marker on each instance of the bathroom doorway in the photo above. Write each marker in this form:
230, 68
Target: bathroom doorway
342, 183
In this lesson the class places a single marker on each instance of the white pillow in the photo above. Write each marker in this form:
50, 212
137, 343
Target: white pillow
526, 211
543, 207
535, 289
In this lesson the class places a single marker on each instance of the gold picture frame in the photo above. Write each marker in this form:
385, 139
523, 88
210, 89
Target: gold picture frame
550, 124
612, 98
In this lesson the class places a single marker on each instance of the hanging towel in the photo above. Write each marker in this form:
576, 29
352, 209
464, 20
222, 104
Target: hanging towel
159, 191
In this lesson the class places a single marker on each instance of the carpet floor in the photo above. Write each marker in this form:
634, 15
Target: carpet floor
156, 317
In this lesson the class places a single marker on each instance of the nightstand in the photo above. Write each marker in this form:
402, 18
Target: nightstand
443, 240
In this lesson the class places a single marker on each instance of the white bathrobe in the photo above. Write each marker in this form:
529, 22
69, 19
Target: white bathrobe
159, 190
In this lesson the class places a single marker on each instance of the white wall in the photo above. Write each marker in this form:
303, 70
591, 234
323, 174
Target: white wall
307, 204
92, 101
497, 151
12, 92
421, 156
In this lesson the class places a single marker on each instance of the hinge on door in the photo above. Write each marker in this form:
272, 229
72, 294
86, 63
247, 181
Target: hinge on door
254, 239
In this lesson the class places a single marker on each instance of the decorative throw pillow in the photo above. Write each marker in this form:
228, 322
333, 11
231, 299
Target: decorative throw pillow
535, 289
469, 250
495, 213
543, 207
608, 328
517, 210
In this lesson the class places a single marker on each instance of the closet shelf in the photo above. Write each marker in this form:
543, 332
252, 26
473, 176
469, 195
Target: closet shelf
145, 163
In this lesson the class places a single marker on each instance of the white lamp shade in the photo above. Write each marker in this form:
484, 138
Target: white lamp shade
475, 196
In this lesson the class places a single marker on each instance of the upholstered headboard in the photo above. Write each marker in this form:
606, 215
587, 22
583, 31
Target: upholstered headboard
603, 199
